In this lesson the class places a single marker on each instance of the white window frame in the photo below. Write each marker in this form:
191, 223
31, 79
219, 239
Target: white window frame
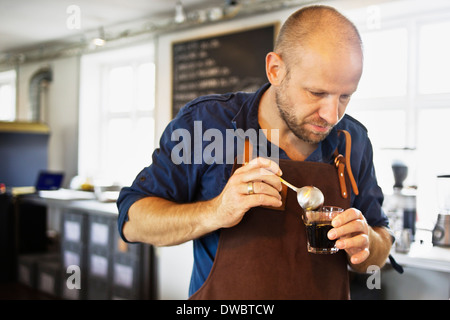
412, 103
94, 114
8, 78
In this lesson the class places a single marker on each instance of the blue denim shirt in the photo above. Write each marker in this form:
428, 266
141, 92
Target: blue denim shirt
185, 176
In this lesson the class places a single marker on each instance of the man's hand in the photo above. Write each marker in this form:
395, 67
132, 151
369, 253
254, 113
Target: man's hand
361, 242
254, 184
161, 222
352, 230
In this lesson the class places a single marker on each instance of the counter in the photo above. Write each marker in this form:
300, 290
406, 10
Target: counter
74, 200
426, 274
425, 256
84, 235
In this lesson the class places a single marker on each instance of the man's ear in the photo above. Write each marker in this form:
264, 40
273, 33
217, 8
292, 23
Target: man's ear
275, 68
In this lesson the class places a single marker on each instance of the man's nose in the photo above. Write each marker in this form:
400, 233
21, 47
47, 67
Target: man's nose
329, 110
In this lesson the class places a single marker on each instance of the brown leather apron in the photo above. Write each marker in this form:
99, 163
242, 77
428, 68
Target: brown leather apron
265, 256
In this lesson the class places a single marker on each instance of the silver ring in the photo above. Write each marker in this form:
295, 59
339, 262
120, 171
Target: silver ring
250, 188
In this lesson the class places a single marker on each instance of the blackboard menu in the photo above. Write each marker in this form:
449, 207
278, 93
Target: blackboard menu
220, 64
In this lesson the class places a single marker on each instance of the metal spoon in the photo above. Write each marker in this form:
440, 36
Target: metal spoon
308, 197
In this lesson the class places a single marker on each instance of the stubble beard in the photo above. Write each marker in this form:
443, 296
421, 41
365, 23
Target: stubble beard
298, 128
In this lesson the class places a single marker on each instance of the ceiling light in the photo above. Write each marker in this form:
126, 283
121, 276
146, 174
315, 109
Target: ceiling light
232, 8
100, 40
179, 13
215, 14
231, 2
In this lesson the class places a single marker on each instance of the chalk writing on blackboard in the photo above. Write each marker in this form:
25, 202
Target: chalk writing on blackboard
220, 64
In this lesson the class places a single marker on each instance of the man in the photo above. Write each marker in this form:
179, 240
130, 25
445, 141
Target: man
245, 247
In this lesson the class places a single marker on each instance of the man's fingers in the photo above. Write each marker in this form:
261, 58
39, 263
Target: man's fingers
350, 228
256, 200
360, 256
347, 216
260, 170
267, 164
359, 241
259, 187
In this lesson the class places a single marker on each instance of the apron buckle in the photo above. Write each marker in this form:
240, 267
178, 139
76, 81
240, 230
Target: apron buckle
339, 161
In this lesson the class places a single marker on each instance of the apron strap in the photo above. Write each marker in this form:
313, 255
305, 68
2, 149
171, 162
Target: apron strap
342, 162
248, 148
247, 157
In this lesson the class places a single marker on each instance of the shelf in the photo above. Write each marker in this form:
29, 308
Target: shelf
24, 127
425, 256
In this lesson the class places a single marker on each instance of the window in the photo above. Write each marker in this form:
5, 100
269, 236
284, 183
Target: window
385, 53
434, 52
8, 95
380, 102
128, 119
404, 97
116, 114
432, 160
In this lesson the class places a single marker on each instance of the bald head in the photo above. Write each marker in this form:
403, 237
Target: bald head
315, 69
316, 25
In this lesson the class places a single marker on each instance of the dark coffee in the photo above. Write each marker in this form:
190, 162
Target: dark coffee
317, 234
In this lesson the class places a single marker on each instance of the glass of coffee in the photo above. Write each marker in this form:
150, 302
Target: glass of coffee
318, 223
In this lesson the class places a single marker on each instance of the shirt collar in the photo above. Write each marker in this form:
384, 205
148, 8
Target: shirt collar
247, 116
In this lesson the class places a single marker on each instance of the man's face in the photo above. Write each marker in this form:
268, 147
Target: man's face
316, 90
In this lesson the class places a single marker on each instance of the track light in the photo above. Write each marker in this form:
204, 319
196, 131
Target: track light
231, 2
100, 40
180, 16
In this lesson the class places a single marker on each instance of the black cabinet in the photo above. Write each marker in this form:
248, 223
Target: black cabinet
88, 242
7, 240
22, 231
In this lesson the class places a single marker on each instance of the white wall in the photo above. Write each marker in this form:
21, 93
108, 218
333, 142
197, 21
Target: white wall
61, 112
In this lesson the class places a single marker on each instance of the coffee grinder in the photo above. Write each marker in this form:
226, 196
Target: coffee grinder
441, 231
401, 208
